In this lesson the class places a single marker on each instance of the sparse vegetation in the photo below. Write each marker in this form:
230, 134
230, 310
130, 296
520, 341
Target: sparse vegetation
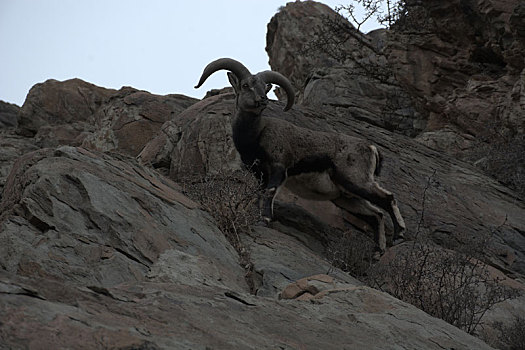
512, 336
454, 285
451, 285
231, 198
352, 252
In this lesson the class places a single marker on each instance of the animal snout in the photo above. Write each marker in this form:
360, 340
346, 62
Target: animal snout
261, 101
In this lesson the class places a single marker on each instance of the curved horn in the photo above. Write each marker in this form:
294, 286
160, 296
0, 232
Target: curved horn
233, 66
269, 76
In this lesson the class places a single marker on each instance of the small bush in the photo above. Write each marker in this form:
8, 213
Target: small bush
352, 252
512, 336
451, 285
503, 157
231, 198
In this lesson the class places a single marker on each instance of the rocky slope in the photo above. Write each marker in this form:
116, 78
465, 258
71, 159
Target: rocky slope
100, 252
100, 248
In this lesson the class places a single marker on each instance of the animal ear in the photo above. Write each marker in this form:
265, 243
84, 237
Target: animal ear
268, 87
234, 81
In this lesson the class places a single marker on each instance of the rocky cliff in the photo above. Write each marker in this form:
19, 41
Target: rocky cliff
460, 65
102, 249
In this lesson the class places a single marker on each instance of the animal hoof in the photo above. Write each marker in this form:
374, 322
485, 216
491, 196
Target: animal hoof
399, 240
265, 222
376, 256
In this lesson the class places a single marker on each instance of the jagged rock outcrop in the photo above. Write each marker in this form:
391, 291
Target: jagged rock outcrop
466, 67
198, 141
455, 70
100, 252
57, 112
130, 118
288, 33
76, 113
349, 78
100, 220
8, 114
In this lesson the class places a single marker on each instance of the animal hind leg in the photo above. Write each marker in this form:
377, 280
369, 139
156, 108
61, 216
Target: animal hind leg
378, 196
276, 178
363, 208
387, 201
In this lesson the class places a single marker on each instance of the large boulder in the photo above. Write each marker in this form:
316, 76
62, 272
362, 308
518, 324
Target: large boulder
76, 113
197, 142
57, 112
289, 31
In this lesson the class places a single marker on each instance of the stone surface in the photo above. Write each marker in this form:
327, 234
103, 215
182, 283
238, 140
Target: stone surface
288, 33
42, 313
99, 250
468, 83
360, 85
280, 258
76, 113
12, 146
198, 141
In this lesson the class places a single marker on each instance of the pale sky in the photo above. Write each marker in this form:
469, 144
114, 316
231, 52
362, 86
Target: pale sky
160, 46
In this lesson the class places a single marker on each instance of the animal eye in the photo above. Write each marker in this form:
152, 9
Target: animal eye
245, 86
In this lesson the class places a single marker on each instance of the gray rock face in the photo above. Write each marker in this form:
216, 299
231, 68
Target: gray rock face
98, 250
345, 85
13, 146
288, 33
198, 141
149, 315
8, 114
449, 84
60, 112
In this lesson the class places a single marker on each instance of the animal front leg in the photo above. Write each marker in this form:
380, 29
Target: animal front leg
276, 177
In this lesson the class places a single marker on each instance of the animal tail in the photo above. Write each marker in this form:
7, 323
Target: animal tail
379, 160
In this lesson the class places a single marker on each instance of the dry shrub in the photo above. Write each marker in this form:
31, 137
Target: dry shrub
503, 157
352, 252
451, 285
512, 336
231, 198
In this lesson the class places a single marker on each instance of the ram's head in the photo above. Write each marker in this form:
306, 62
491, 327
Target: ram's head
250, 89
